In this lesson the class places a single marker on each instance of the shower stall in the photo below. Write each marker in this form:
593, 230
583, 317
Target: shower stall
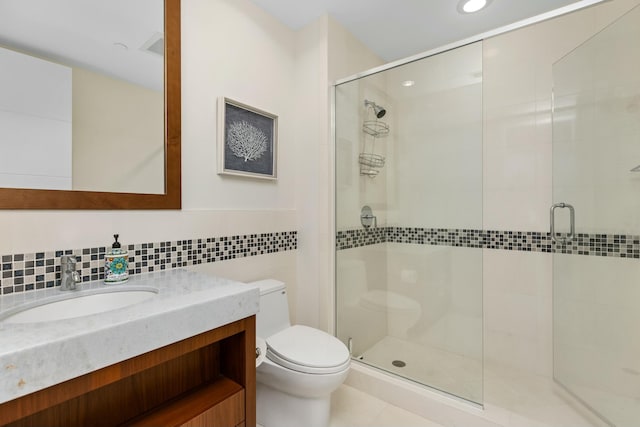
415, 261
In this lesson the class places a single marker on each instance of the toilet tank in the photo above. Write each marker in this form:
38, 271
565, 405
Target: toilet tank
273, 315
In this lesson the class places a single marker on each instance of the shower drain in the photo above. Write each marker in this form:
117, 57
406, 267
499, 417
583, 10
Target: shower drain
398, 364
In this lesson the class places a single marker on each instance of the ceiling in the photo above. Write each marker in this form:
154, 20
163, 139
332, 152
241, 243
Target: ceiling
400, 28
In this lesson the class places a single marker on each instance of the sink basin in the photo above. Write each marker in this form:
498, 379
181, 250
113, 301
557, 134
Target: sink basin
72, 306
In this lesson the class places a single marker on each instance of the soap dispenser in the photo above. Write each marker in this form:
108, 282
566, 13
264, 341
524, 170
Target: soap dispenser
116, 263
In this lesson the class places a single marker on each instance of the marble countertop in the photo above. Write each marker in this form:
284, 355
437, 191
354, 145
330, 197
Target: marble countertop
34, 356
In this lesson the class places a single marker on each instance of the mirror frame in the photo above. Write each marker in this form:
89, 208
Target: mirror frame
17, 198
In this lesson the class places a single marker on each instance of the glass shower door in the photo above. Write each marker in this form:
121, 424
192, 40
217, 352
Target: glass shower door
408, 211
596, 270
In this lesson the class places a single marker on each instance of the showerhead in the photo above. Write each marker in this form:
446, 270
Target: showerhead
380, 111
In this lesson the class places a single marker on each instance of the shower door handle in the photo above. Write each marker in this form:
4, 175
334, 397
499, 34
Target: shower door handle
572, 222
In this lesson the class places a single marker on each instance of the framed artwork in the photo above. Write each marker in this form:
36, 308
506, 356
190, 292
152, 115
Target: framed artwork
247, 140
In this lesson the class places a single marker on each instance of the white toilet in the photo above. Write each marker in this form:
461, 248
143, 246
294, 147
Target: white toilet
303, 365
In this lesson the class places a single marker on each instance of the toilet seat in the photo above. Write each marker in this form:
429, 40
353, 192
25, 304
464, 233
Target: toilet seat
308, 350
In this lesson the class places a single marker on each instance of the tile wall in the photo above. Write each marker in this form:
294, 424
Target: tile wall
30, 271
607, 245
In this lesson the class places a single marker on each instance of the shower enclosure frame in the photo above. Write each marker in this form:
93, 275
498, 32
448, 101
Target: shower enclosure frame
582, 4
332, 147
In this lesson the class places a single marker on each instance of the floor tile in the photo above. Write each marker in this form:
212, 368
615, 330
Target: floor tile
354, 408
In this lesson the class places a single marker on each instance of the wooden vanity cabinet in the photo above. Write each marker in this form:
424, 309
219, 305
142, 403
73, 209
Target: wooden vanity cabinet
206, 380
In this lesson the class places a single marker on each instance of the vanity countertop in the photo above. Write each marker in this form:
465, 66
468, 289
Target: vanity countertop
34, 356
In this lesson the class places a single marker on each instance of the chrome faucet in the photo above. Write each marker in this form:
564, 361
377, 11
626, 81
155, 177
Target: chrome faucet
70, 277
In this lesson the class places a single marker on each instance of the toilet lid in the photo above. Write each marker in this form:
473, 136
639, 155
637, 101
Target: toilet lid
308, 350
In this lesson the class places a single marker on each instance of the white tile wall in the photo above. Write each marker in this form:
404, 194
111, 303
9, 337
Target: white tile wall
518, 82
517, 309
596, 318
437, 157
446, 282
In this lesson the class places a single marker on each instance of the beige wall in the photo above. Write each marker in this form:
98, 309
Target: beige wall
325, 52
118, 135
312, 98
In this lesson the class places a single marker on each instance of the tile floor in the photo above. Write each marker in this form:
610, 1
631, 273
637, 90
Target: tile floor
353, 408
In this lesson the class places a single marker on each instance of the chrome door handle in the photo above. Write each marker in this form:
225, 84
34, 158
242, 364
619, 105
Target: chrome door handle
572, 222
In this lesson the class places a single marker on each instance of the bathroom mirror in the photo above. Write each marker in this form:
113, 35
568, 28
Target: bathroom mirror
165, 193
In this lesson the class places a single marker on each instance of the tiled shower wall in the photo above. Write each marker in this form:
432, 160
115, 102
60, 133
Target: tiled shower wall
518, 171
611, 245
38, 270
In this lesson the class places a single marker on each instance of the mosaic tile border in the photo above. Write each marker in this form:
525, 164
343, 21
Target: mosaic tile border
354, 238
608, 245
26, 272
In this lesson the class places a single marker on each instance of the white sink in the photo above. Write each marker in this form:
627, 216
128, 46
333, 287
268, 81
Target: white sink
71, 306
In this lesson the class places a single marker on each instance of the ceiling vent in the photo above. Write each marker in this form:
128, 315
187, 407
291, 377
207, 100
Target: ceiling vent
154, 45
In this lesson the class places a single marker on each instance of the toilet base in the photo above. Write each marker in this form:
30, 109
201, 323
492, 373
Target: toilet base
275, 408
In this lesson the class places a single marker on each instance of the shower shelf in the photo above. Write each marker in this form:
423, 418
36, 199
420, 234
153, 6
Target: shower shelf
371, 160
370, 164
375, 128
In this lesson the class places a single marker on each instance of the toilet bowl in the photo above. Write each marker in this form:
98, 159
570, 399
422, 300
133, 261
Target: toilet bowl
302, 367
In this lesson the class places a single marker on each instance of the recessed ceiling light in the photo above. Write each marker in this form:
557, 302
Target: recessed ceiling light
408, 83
471, 6
121, 46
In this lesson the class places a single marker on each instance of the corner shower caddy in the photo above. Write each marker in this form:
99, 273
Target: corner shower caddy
370, 162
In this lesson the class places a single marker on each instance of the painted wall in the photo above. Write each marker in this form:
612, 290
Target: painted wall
325, 52
312, 98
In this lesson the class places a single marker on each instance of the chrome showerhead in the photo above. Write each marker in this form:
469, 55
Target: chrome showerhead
380, 111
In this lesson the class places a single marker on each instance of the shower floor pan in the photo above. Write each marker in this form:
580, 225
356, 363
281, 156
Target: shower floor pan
511, 397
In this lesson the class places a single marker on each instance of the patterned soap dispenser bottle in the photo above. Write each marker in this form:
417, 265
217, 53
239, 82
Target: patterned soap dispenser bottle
116, 263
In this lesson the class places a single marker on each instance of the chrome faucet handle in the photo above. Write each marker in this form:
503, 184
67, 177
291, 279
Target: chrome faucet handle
72, 280
69, 276
68, 262
367, 218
